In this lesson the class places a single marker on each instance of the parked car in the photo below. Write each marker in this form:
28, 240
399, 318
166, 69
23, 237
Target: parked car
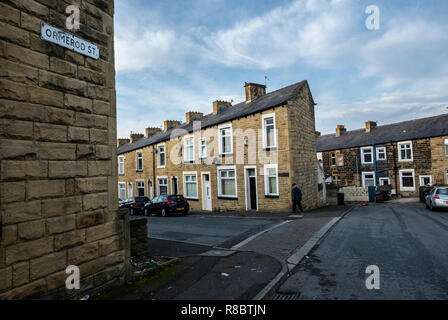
135, 204
167, 204
437, 198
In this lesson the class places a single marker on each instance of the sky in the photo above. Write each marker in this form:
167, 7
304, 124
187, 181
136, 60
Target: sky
181, 55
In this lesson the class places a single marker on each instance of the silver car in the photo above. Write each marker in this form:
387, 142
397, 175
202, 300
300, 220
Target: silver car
437, 198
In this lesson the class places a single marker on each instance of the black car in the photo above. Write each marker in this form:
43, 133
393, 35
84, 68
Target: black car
135, 204
165, 204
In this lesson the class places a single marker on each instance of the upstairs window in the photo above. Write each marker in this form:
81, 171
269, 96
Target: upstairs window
189, 150
139, 161
446, 147
367, 155
340, 160
121, 165
225, 140
405, 151
203, 152
381, 154
162, 158
269, 134
333, 159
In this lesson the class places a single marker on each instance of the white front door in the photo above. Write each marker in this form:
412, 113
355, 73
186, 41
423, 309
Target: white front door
206, 191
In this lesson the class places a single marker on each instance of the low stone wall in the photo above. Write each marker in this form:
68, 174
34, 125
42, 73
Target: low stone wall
354, 193
139, 236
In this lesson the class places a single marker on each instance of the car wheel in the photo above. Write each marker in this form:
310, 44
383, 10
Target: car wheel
163, 212
185, 212
131, 212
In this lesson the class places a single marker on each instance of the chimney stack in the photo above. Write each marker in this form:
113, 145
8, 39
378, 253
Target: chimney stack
254, 90
318, 134
151, 131
135, 136
122, 141
168, 124
370, 125
219, 106
340, 130
191, 116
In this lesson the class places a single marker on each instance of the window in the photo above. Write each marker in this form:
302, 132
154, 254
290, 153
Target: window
162, 158
381, 154
384, 181
407, 180
225, 140
191, 186
446, 176
368, 179
139, 161
203, 151
446, 147
140, 188
189, 149
271, 179
269, 134
227, 182
121, 165
340, 160
367, 155
333, 159
405, 151
163, 185
122, 190
425, 181
130, 190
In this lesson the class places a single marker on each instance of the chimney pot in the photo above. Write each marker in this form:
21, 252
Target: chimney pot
254, 90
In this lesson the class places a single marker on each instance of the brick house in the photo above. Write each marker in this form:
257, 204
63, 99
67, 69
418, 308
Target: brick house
238, 157
405, 155
58, 196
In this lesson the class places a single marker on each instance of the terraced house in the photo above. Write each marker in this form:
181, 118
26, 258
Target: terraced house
405, 155
238, 157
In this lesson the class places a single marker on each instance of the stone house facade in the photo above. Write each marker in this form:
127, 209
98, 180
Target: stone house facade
58, 195
405, 155
237, 158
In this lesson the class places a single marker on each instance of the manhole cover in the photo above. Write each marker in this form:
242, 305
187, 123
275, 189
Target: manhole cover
280, 296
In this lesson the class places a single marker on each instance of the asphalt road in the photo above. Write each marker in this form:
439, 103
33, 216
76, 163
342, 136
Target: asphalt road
207, 230
408, 243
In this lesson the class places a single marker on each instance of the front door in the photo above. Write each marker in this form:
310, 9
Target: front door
206, 191
251, 189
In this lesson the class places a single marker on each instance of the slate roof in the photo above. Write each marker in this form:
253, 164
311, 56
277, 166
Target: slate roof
270, 100
401, 131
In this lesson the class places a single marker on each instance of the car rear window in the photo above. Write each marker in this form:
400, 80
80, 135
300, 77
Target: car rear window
443, 191
142, 199
176, 198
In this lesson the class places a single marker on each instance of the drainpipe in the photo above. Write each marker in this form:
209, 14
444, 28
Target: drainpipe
395, 169
154, 152
374, 161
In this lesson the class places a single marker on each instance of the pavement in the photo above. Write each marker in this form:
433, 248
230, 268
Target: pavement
227, 256
406, 242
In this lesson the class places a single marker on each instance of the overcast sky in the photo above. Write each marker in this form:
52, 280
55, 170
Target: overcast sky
181, 55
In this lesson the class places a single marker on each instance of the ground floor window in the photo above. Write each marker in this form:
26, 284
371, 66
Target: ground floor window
271, 179
191, 186
407, 180
384, 181
227, 182
368, 179
122, 190
130, 190
446, 176
163, 186
140, 188
425, 181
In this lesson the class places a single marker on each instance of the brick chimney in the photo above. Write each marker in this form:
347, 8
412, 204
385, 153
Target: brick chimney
135, 136
254, 90
151, 131
340, 130
168, 124
219, 106
122, 141
370, 125
191, 116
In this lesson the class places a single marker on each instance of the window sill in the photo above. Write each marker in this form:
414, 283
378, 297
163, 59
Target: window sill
405, 160
192, 199
189, 162
138, 170
162, 167
227, 198
269, 148
121, 174
226, 154
269, 196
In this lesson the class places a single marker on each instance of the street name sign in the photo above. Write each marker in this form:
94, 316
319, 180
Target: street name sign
69, 41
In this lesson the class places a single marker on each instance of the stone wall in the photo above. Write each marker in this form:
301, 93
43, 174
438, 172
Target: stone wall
139, 236
439, 160
354, 193
58, 152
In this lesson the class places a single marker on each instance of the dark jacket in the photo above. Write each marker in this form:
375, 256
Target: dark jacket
296, 194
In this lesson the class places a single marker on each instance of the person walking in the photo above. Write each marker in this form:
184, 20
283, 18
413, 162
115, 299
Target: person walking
296, 198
